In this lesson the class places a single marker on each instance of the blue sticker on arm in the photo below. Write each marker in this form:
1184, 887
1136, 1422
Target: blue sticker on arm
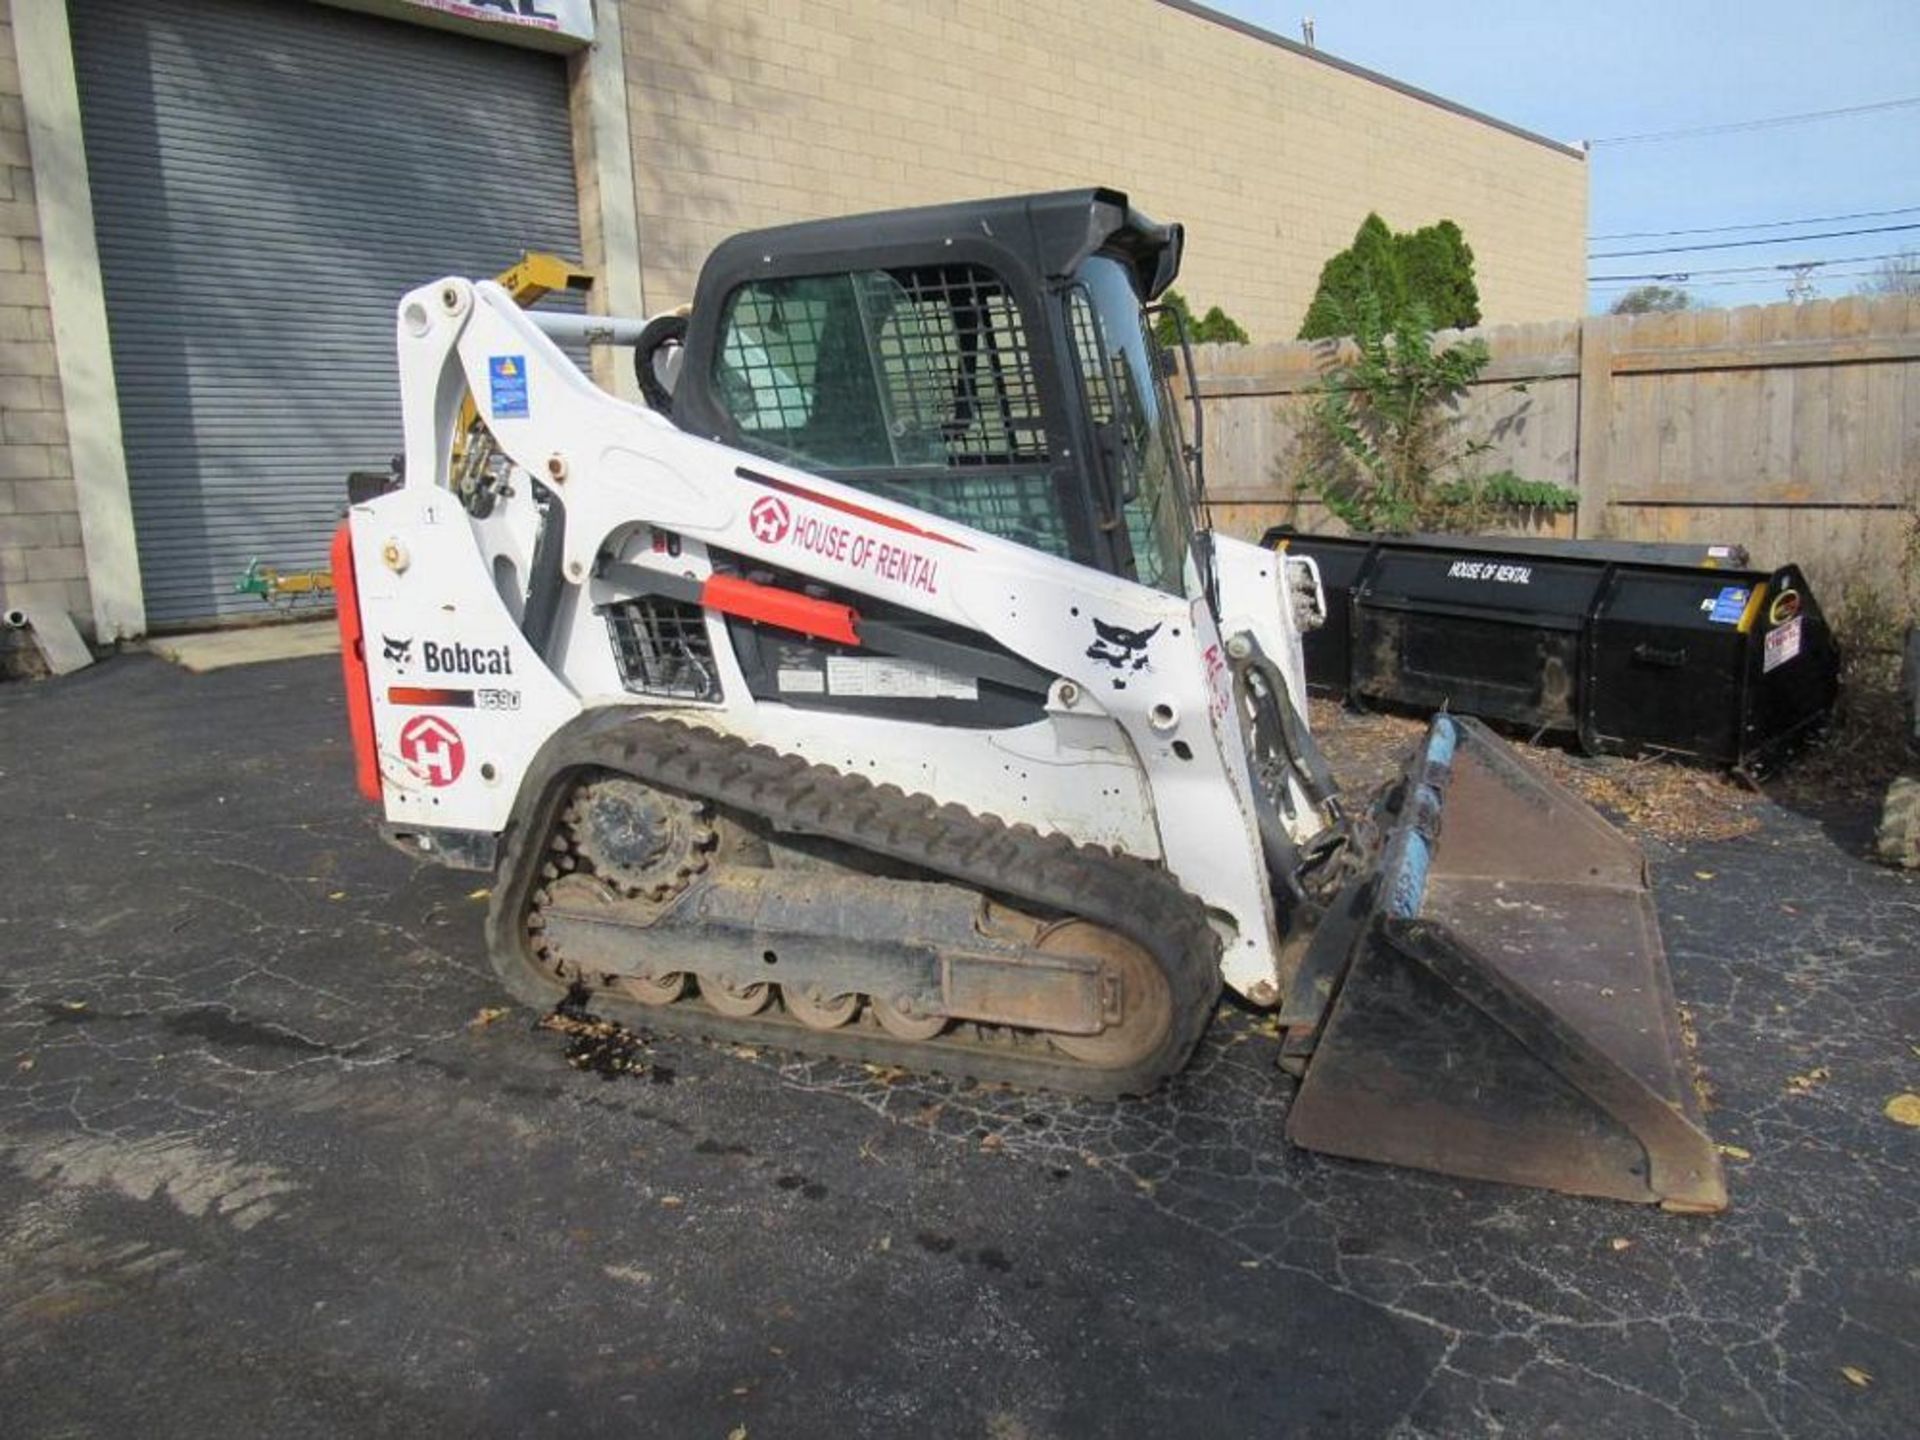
1731, 605
508, 376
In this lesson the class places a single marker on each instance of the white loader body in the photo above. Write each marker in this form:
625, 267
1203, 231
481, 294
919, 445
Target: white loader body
1155, 765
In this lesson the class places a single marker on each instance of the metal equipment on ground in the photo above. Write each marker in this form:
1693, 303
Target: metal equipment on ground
1629, 647
285, 589
876, 693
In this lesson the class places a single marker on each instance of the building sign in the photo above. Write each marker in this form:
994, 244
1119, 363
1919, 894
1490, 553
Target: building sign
547, 24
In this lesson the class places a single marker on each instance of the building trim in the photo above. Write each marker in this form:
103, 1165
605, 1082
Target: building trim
50, 96
1320, 57
474, 26
609, 206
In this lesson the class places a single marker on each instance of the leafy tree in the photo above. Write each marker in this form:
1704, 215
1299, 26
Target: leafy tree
1430, 269
1652, 300
1215, 327
1384, 446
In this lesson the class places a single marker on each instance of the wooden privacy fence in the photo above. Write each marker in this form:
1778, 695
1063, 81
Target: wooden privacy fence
1791, 429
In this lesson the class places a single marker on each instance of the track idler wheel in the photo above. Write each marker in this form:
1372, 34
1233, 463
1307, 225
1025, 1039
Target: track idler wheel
652, 989
817, 1012
1145, 1002
905, 1024
737, 1003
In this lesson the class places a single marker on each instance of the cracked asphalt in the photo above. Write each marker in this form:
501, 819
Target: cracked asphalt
265, 1170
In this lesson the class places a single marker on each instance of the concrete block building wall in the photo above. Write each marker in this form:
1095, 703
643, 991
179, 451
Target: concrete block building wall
755, 112
41, 560
733, 114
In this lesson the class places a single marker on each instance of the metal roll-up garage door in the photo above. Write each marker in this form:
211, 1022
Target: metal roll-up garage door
269, 177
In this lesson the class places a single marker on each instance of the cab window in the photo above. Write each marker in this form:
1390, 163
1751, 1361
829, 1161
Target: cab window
915, 383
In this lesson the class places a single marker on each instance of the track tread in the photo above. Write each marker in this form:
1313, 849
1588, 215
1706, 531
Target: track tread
1139, 900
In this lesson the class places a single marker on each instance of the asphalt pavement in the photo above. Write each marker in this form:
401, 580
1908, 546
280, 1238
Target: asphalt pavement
270, 1164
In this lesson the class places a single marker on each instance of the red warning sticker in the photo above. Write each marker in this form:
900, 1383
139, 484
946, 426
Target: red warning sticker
434, 749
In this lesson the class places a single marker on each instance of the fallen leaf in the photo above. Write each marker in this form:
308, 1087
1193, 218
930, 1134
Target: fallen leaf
741, 1389
1856, 1375
74, 1005
1734, 1152
1703, 874
1249, 1264
482, 893
26, 1064
337, 895
1902, 1109
775, 1350
672, 1202
1620, 1242
887, 1074
739, 1432
488, 1016
743, 1052
1804, 1084
992, 1143
886, 1243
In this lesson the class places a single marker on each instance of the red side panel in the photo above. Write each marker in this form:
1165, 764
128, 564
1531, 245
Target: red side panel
822, 619
353, 666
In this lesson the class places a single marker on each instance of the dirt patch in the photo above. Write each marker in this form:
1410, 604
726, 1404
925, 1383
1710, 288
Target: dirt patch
600, 1046
1651, 798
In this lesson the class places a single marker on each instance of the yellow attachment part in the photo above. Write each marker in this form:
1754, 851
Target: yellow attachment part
538, 273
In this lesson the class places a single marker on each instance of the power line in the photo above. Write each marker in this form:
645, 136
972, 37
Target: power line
1757, 225
1752, 280
1765, 123
1741, 244
1749, 269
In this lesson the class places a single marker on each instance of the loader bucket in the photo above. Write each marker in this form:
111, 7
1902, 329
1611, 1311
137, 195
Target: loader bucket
1506, 1012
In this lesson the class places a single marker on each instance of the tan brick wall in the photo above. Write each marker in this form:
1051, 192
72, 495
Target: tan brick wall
756, 112
41, 561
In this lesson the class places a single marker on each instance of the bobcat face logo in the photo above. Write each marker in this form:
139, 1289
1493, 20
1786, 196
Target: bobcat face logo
1122, 649
396, 652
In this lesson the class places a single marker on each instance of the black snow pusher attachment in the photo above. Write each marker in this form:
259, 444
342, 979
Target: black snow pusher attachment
1493, 1001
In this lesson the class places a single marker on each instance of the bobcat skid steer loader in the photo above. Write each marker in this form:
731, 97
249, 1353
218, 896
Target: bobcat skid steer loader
874, 692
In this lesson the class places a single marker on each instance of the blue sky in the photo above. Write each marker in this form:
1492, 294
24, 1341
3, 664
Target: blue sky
1598, 70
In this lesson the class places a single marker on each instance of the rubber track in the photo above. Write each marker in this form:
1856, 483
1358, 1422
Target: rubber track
1139, 900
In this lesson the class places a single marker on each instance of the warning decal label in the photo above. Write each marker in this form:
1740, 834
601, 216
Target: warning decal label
862, 677
507, 376
1783, 643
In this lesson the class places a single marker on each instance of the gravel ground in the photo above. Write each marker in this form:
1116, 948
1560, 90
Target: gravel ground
271, 1164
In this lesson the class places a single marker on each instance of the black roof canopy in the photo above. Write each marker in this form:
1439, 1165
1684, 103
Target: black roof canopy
1049, 234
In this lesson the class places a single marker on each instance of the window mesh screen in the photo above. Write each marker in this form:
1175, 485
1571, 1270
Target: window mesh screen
955, 372
662, 648
916, 384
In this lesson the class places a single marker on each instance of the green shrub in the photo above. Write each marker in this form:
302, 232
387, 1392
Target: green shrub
1384, 446
1429, 270
1216, 327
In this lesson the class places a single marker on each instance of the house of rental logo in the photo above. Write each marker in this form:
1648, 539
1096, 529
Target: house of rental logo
773, 523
